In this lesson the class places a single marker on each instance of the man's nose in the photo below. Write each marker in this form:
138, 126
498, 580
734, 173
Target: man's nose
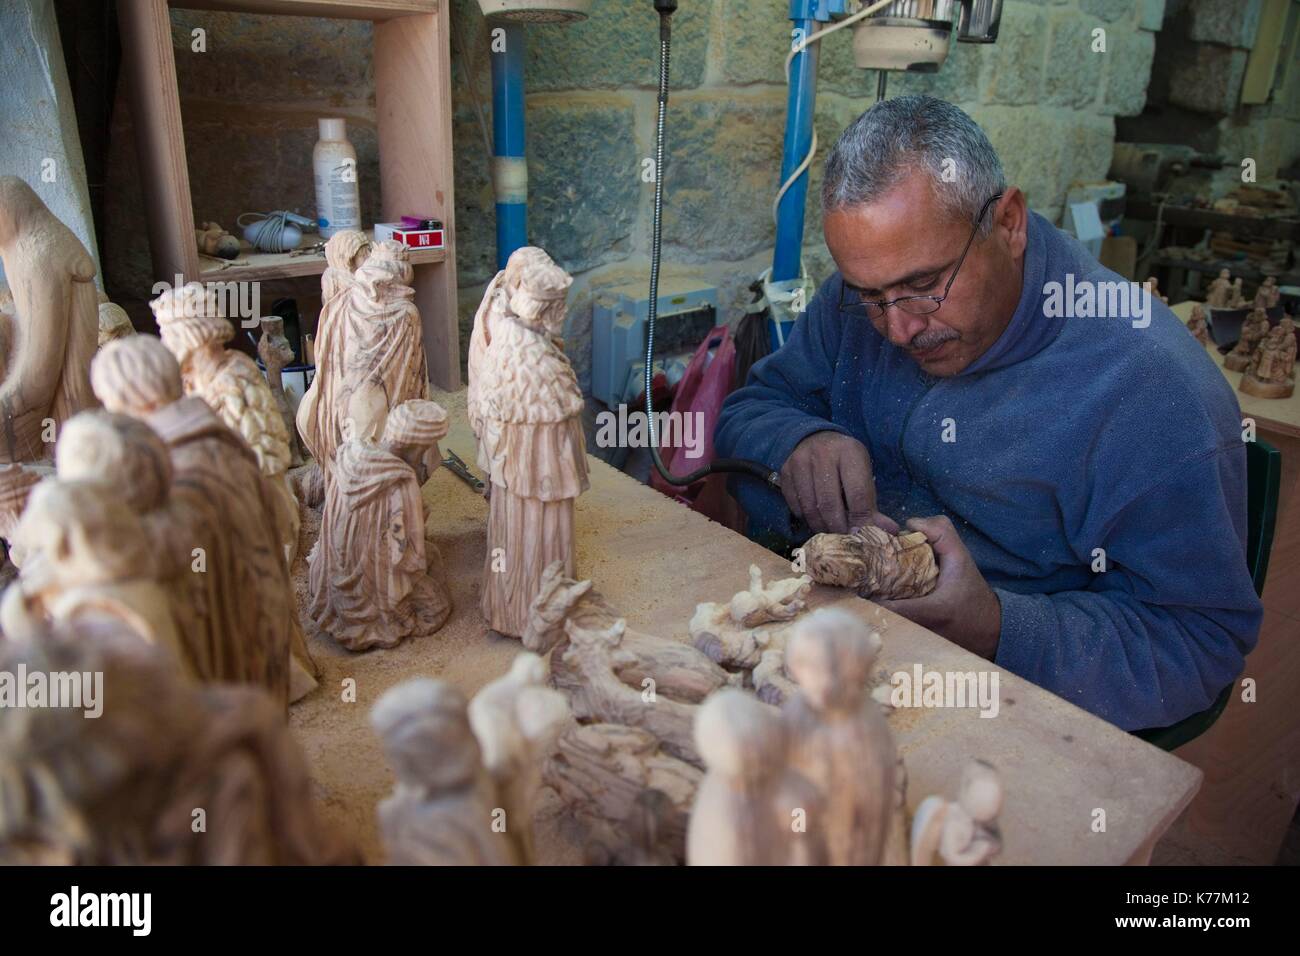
901, 327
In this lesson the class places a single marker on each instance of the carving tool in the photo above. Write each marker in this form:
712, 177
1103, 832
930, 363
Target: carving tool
457, 467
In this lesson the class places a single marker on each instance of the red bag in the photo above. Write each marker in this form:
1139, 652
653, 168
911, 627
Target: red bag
708, 381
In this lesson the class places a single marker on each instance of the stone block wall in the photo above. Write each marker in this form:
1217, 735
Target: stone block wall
1047, 93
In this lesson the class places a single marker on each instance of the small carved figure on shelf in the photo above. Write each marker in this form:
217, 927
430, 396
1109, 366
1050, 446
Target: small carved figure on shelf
371, 584
1152, 285
528, 409
445, 810
1253, 331
212, 240
1236, 299
839, 738
1271, 373
963, 832
1274, 292
873, 562
49, 324
1196, 324
1219, 292
274, 350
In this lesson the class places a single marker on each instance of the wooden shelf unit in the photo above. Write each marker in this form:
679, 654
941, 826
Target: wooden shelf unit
413, 96
265, 266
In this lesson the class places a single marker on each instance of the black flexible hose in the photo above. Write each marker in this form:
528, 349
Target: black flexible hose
666, 9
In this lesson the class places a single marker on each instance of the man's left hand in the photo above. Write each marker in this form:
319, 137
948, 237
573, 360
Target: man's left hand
962, 607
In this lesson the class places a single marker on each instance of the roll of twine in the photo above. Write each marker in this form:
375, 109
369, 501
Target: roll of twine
272, 233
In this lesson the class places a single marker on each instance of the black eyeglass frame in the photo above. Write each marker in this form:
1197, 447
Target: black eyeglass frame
862, 307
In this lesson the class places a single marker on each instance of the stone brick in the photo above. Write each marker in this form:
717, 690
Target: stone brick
1207, 78
1227, 22
1151, 14
723, 168
958, 79
1015, 68
475, 201
584, 182
1128, 72
1031, 145
1074, 75
617, 46
1108, 10
1089, 142
752, 49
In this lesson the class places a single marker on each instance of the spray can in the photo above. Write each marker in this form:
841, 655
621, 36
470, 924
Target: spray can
338, 204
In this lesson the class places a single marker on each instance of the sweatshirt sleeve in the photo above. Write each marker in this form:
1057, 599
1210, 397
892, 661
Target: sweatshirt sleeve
1159, 634
786, 399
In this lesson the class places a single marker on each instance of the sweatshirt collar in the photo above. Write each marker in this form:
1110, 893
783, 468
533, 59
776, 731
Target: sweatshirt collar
1029, 330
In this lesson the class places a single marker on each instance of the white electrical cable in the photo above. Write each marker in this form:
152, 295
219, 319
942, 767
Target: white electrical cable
795, 50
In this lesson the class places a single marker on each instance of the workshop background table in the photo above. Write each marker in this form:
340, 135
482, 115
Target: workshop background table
654, 560
1251, 756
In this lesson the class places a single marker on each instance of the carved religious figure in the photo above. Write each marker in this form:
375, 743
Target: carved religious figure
227, 567
445, 809
1253, 331
162, 756
114, 323
192, 327
873, 562
1219, 293
369, 349
371, 584
525, 407
49, 324
1271, 373
963, 832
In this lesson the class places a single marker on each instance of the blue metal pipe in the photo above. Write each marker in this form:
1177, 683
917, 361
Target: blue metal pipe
509, 167
801, 103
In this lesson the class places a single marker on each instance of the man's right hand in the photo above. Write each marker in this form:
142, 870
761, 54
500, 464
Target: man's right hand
827, 481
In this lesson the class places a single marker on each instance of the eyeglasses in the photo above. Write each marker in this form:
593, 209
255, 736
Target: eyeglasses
852, 301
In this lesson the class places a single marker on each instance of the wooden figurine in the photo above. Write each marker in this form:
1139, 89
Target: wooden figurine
526, 409
873, 562
212, 240
275, 352
1253, 331
737, 633
191, 326
605, 775
1219, 293
49, 324
1271, 373
674, 669
963, 832
1235, 299
517, 720
839, 738
114, 323
169, 772
16, 483
444, 810
751, 808
1152, 285
1197, 326
369, 349
371, 583
87, 560
1274, 295
598, 695
897, 845
217, 525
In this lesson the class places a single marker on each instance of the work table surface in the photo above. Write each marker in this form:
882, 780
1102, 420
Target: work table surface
654, 560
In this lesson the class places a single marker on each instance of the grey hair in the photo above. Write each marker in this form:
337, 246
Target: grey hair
910, 132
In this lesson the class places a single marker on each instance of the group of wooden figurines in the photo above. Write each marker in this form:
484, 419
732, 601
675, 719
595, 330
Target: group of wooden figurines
149, 501
1265, 354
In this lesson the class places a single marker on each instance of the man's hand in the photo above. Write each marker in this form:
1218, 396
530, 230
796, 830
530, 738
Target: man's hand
827, 481
962, 607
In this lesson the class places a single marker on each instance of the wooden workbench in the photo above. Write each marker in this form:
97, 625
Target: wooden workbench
654, 560
1251, 756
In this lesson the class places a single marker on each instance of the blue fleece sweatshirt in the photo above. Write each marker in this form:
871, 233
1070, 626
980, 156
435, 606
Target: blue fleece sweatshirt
1067, 435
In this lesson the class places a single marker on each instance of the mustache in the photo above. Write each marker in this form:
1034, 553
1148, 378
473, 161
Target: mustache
924, 341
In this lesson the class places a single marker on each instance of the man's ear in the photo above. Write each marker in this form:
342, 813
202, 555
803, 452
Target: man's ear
1011, 220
